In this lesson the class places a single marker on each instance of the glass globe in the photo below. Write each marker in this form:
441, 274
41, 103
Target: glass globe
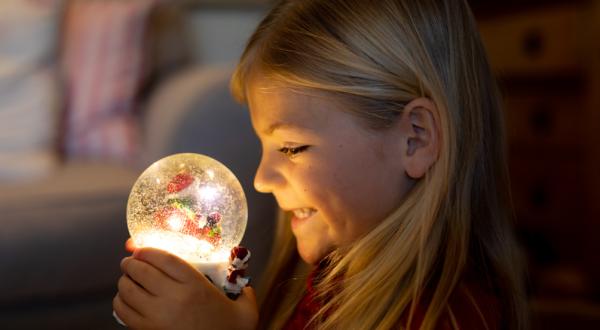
189, 205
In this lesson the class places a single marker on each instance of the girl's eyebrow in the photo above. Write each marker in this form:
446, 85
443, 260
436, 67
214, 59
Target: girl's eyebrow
282, 125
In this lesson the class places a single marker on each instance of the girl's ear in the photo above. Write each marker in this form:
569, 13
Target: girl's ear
419, 124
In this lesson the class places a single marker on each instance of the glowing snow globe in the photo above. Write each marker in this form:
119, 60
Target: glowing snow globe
191, 206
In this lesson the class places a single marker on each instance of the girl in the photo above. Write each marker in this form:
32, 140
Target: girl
382, 142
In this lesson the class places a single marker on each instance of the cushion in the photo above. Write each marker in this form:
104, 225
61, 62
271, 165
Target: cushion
103, 54
29, 91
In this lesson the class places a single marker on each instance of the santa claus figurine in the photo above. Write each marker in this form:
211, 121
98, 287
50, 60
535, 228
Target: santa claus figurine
236, 279
182, 214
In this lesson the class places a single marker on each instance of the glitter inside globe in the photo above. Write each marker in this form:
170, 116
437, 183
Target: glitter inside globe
189, 205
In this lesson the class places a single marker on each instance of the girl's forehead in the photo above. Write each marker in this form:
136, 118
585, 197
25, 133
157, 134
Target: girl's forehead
272, 104
259, 86
283, 92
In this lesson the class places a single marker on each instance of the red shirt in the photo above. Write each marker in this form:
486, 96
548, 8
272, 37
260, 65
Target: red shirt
471, 306
308, 305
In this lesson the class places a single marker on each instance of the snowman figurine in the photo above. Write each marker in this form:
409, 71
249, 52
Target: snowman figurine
236, 279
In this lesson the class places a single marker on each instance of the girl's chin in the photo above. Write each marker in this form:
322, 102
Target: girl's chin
311, 258
313, 253
312, 238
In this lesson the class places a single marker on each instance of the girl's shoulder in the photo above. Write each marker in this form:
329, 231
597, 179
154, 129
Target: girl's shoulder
469, 307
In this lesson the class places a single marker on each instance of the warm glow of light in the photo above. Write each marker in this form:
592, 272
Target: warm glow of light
211, 174
208, 193
221, 255
189, 248
176, 222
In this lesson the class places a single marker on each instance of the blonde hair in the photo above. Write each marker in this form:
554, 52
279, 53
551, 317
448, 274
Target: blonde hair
377, 56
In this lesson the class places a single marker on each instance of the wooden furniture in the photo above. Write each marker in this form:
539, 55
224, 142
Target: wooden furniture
547, 60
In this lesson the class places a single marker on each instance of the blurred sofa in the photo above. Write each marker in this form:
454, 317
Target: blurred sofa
61, 237
62, 217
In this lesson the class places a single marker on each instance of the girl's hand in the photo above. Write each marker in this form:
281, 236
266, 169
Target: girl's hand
161, 291
129, 245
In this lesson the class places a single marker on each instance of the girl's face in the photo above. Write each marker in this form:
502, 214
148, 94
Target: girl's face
338, 178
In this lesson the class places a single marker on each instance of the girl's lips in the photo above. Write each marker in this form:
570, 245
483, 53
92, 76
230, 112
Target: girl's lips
301, 215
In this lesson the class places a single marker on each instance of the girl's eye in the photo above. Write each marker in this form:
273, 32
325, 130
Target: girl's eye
292, 151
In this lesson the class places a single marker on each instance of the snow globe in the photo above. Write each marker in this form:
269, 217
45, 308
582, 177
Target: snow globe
194, 207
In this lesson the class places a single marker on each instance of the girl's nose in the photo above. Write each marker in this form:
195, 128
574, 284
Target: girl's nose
267, 178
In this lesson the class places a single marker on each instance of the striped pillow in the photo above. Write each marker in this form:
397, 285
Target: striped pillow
103, 54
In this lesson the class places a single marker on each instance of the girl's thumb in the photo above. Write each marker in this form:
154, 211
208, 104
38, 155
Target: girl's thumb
248, 307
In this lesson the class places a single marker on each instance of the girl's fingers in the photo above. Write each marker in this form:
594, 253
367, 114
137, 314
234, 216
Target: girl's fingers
133, 295
248, 308
248, 296
126, 314
146, 275
172, 266
129, 245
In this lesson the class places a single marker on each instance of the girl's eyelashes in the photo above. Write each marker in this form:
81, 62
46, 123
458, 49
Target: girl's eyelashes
292, 151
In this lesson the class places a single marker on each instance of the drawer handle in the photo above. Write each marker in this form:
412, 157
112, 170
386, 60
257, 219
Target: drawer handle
533, 43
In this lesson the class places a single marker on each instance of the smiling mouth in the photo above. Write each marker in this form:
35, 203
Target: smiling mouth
304, 213
301, 216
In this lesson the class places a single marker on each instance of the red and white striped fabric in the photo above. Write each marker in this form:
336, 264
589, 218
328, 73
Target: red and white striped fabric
103, 54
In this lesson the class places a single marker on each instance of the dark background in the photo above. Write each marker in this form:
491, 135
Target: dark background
546, 56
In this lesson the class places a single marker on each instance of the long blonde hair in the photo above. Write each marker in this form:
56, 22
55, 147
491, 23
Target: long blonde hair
377, 56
